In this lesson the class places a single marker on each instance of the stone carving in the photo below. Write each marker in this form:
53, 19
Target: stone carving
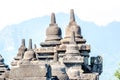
75, 72
20, 53
35, 47
56, 59
30, 72
73, 27
21, 50
72, 48
59, 72
96, 64
53, 33
3, 68
29, 54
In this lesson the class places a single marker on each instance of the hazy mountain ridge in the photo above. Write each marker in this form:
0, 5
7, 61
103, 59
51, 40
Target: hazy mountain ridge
103, 40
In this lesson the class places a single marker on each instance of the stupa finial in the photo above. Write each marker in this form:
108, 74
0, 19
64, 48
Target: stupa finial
72, 16
30, 44
35, 46
23, 42
53, 20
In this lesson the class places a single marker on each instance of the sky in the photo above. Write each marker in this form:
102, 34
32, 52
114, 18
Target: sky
101, 12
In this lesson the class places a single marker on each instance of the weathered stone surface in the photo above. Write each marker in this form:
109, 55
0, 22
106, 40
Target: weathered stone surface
3, 68
73, 59
53, 33
30, 78
96, 64
73, 26
89, 76
29, 54
30, 70
75, 72
59, 72
56, 59
27, 71
20, 53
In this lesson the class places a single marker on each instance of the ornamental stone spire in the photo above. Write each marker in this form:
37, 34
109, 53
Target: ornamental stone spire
72, 16
29, 54
53, 20
35, 47
53, 33
23, 42
3, 66
73, 27
21, 50
30, 44
72, 47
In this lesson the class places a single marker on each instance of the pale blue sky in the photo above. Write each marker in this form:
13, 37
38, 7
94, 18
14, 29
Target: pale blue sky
101, 12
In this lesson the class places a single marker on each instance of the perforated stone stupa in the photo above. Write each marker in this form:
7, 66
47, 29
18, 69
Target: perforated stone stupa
57, 58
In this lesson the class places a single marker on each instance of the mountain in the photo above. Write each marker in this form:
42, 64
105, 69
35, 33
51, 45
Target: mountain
104, 40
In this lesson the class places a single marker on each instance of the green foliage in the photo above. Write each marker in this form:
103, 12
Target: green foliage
117, 74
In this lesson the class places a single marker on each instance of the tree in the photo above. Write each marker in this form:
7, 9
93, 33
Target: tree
117, 74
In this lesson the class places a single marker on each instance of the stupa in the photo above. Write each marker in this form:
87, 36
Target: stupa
57, 58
